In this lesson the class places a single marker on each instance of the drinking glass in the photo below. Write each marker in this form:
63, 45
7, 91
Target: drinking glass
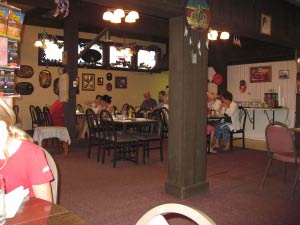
2, 200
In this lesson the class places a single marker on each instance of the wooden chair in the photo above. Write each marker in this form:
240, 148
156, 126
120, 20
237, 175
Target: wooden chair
165, 115
34, 120
155, 215
152, 133
40, 116
93, 123
124, 146
242, 121
281, 147
47, 117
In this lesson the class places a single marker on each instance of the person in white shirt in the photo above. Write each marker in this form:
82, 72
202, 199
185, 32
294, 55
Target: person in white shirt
231, 121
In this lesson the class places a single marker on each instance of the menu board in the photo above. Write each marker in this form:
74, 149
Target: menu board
7, 81
14, 24
3, 20
3, 51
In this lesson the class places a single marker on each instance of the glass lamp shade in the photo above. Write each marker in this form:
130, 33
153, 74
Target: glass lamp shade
119, 12
134, 14
212, 35
130, 19
107, 15
224, 35
115, 19
38, 43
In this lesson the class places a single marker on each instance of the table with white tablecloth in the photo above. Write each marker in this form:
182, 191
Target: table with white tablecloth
46, 132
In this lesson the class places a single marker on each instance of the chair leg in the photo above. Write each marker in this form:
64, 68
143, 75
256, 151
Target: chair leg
231, 142
266, 173
115, 155
104, 151
89, 148
144, 152
295, 182
161, 150
243, 140
98, 153
136, 147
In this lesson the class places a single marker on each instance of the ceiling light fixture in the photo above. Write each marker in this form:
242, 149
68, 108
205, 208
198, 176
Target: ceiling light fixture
115, 15
42, 41
212, 35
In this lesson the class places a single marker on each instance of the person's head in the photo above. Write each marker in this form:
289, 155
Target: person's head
98, 99
7, 129
161, 96
147, 95
210, 96
106, 99
56, 86
227, 97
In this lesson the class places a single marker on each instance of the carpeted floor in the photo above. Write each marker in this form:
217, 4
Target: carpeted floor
102, 195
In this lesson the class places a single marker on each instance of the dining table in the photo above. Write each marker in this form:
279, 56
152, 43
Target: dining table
131, 122
36, 211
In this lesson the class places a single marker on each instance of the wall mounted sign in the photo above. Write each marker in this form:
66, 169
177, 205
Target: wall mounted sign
45, 78
88, 82
121, 82
284, 74
265, 24
24, 88
109, 76
260, 74
100, 81
198, 14
108, 86
25, 71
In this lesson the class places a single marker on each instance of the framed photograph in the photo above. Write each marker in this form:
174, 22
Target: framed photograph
100, 81
121, 82
284, 74
265, 24
260, 74
88, 82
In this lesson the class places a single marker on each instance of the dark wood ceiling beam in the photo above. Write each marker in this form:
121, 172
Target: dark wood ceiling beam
46, 4
159, 8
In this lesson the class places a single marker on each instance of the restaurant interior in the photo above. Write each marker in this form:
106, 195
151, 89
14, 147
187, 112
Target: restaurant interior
161, 50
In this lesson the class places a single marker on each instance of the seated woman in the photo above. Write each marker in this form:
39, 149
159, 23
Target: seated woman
107, 103
231, 121
22, 163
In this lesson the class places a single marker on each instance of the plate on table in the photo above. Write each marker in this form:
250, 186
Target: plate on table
140, 119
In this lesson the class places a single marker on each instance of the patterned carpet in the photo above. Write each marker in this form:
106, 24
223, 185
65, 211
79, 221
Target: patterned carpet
102, 195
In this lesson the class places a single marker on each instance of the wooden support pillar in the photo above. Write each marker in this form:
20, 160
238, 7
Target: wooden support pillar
188, 109
71, 49
297, 113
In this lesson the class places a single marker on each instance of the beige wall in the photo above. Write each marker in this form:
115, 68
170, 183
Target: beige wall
137, 82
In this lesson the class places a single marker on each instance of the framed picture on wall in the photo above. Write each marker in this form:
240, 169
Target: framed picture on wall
88, 82
100, 81
121, 82
265, 24
260, 74
284, 74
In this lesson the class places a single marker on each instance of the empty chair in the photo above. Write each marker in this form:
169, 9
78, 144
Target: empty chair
93, 124
125, 147
155, 215
281, 147
47, 117
152, 133
33, 115
240, 132
54, 183
40, 116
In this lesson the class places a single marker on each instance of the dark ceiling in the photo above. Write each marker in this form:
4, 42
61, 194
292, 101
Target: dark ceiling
153, 25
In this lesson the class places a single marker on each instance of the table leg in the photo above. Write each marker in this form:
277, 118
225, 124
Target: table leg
66, 148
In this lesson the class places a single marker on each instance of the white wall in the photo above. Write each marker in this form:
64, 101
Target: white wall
255, 91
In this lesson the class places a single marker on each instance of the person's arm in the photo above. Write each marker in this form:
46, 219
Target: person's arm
43, 191
231, 109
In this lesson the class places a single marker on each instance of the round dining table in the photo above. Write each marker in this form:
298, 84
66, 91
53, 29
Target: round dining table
36, 211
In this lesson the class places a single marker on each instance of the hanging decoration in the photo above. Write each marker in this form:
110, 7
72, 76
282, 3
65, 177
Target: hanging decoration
218, 79
198, 18
62, 8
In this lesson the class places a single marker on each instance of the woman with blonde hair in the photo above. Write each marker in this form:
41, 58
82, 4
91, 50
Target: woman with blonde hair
22, 163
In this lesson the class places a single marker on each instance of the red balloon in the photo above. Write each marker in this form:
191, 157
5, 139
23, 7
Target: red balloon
218, 79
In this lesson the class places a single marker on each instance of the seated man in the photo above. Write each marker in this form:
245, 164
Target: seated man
149, 103
231, 121
162, 100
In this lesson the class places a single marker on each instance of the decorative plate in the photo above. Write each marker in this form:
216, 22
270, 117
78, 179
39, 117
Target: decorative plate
45, 78
25, 71
108, 86
198, 14
92, 56
24, 88
109, 76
